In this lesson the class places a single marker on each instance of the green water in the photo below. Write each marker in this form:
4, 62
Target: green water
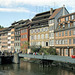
26, 68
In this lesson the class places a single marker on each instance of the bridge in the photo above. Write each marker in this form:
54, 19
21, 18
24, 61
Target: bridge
16, 58
50, 57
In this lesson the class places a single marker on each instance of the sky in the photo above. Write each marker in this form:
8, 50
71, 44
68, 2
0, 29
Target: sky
15, 10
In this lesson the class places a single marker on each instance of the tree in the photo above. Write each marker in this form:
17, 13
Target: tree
1, 27
35, 48
24, 47
52, 51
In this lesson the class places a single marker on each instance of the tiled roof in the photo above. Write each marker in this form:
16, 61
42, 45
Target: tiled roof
55, 13
67, 15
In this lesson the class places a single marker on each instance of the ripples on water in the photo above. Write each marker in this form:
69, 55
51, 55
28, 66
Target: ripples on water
26, 68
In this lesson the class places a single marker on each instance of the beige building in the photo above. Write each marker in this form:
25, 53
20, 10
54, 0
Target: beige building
65, 35
39, 30
43, 26
3, 39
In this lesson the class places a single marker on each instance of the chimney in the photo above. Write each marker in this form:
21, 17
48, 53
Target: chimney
51, 11
63, 10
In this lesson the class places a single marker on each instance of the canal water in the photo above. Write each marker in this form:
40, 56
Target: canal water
26, 68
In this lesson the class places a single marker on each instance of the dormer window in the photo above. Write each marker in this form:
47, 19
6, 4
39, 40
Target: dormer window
51, 21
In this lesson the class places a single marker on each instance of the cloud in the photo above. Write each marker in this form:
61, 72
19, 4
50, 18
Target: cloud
51, 3
15, 10
38, 2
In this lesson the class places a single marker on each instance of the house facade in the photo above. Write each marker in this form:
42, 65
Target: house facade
39, 30
53, 22
65, 35
43, 26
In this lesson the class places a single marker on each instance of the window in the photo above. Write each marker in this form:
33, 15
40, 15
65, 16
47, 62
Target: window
59, 34
46, 43
66, 41
46, 29
35, 31
66, 33
49, 42
51, 28
12, 37
69, 41
51, 21
66, 51
73, 32
63, 26
46, 36
38, 36
68, 25
63, 41
52, 34
49, 34
12, 32
56, 34
35, 37
31, 31
71, 51
38, 43
32, 37
69, 32
66, 18
52, 42
59, 41
42, 43
59, 20
42, 36
38, 30
12, 41
62, 33
73, 23
72, 17
56, 41
74, 41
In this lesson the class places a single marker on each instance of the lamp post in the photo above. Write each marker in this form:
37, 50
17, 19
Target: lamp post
68, 50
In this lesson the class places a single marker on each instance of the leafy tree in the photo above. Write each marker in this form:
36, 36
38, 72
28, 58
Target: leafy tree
47, 51
52, 51
1, 27
35, 48
24, 47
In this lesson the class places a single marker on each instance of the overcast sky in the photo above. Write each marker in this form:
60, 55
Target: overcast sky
15, 10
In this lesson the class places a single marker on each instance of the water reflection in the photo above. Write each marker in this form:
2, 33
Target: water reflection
26, 68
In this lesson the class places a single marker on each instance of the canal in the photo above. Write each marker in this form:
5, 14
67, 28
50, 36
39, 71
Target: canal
26, 68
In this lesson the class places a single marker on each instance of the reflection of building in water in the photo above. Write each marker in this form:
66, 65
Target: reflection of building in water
26, 66
64, 72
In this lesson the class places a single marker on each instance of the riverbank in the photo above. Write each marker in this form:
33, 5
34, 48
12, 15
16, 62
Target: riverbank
54, 63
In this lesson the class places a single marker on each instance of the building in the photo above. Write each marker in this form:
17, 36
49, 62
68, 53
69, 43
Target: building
18, 26
3, 39
39, 29
43, 25
53, 22
65, 35
25, 36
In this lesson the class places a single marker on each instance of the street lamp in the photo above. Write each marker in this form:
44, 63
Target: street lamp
68, 50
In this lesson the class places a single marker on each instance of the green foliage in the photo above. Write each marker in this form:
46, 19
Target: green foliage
52, 51
24, 47
1, 27
34, 49
46, 51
